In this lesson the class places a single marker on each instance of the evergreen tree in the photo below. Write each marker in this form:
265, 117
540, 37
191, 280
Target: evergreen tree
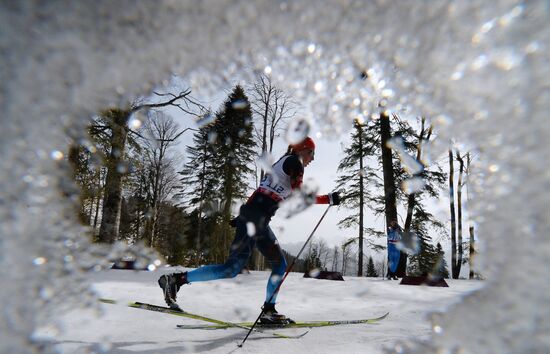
424, 259
371, 269
442, 269
235, 151
173, 224
220, 168
199, 189
361, 183
381, 193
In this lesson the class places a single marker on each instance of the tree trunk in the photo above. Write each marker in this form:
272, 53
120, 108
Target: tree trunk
108, 231
361, 201
459, 211
454, 269
411, 198
390, 202
471, 229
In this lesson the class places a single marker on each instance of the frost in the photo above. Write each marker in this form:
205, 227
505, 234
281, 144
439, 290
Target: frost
484, 65
413, 185
410, 164
250, 229
298, 129
265, 162
299, 200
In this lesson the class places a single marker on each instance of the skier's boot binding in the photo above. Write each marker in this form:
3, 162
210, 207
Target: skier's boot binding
170, 284
270, 316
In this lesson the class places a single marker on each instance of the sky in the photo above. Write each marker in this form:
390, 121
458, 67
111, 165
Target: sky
124, 330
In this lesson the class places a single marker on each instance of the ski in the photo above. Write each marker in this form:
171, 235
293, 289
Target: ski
216, 322
304, 324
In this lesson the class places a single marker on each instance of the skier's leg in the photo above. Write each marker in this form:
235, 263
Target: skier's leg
241, 249
269, 247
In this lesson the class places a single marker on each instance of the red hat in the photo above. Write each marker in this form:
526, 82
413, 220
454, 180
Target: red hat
307, 143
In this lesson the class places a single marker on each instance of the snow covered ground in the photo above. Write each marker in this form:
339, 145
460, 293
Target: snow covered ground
121, 329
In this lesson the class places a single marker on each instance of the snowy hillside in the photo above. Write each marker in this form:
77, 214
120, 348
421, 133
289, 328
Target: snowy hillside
121, 329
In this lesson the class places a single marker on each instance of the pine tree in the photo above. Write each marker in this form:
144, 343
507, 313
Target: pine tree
424, 260
199, 189
234, 151
360, 177
371, 269
441, 266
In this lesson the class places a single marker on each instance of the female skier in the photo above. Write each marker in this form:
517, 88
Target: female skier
276, 186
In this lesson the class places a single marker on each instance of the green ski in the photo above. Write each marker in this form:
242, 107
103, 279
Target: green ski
216, 322
305, 324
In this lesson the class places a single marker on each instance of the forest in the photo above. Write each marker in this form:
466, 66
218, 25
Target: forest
137, 187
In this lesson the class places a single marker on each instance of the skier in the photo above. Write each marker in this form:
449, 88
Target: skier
277, 185
394, 236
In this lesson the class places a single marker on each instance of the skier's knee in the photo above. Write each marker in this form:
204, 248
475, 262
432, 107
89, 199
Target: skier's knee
233, 269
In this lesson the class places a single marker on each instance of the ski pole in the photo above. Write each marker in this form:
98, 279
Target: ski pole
288, 269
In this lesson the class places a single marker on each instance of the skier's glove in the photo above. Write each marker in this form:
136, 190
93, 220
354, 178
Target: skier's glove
334, 198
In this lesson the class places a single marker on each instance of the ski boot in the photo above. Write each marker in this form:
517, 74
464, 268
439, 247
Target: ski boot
170, 284
271, 317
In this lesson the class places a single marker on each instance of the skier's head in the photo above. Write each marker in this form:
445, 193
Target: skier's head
305, 149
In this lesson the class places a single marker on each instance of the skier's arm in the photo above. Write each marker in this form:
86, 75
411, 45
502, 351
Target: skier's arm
294, 168
331, 198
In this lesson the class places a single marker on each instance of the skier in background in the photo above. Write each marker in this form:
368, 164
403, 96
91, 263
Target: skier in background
276, 186
394, 237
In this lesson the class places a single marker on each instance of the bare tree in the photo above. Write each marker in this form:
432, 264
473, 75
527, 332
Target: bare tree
455, 268
273, 107
335, 258
472, 249
459, 208
161, 134
117, 125
346, 251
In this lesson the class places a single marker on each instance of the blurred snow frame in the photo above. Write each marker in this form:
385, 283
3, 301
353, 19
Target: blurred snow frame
479, 69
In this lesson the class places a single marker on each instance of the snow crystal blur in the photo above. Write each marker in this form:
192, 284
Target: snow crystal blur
205, 120
409, 245
250, 229
413, 185
57, 155
314, 273
39, 261
298, 129
274, 279
135, 123
410, 164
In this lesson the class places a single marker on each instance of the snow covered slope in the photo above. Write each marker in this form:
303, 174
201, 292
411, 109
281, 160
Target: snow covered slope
121, 329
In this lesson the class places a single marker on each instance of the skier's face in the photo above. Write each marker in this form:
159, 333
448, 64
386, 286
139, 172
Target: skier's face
307, 155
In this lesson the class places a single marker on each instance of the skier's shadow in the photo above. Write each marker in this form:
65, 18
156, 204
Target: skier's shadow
176, 347
235, 339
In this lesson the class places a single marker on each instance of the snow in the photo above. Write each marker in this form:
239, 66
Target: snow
121, 329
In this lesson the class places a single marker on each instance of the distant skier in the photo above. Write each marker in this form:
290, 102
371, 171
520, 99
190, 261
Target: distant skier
276, 186
394, 237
